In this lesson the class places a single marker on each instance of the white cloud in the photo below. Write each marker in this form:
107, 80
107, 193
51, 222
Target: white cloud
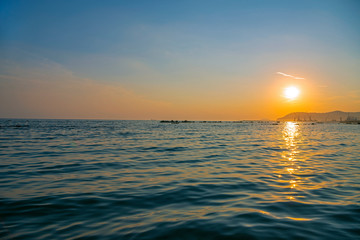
288, 75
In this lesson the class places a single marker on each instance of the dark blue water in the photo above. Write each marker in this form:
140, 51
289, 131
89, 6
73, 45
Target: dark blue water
79, 179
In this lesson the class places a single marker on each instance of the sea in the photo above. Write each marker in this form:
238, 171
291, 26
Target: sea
96, 179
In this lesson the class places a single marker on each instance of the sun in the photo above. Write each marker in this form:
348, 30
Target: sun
291, 93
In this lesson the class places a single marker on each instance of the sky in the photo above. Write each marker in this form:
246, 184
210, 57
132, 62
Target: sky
193, 60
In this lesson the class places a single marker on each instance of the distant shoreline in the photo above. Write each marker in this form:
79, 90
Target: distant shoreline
335, 116
309, 117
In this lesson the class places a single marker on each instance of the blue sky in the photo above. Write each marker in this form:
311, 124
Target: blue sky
182, 51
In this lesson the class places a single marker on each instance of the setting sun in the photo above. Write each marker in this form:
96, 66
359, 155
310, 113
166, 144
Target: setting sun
291, 93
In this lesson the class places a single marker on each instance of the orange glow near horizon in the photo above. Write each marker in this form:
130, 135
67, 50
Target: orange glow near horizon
273, 98
312, 95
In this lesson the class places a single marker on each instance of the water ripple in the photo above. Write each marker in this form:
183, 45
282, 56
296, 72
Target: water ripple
79, 179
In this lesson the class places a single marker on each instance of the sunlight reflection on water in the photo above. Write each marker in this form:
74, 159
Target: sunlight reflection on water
291, 134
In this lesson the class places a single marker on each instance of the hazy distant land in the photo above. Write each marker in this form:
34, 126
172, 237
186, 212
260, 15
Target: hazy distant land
336, 116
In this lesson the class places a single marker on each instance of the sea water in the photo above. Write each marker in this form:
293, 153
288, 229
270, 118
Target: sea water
87, 179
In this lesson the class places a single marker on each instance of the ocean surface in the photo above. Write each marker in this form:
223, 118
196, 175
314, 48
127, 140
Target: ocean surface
87, 179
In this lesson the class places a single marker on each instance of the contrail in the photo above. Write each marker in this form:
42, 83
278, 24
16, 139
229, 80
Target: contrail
288, 75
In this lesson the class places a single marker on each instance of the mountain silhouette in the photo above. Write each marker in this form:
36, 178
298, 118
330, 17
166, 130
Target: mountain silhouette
335, 116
